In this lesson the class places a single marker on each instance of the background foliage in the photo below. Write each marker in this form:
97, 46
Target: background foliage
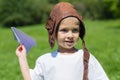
23, 12
27, 12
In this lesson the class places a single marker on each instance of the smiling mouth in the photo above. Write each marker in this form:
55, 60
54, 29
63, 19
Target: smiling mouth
69, 42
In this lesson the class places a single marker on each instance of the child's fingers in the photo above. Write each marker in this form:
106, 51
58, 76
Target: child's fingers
21, 49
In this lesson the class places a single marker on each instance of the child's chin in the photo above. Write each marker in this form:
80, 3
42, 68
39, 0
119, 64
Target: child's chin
69, 47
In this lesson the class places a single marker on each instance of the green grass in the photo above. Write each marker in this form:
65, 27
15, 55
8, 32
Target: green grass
102, 40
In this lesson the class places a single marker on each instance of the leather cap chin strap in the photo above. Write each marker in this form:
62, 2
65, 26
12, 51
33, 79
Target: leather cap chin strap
85, 61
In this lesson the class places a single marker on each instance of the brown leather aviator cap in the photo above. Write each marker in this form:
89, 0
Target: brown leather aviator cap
59, 12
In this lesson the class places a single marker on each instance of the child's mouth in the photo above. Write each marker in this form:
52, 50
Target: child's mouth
69, 42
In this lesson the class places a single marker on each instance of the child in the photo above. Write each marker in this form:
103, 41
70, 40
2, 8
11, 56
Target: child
65, 26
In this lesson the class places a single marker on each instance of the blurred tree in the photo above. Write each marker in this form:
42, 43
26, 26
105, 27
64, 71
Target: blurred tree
112, 8
53, 1
15, 12
98, 9
26, 12
23, 12
93, 8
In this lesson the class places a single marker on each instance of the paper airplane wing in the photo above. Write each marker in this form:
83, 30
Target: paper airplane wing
23, 38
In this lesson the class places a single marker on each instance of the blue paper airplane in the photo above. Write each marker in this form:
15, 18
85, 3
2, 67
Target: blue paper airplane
23, 38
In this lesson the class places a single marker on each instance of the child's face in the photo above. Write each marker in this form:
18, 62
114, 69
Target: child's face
68, 33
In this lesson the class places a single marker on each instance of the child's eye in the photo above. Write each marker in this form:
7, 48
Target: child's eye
75, 30
63, 30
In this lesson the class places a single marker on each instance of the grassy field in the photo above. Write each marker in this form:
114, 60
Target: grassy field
102, 40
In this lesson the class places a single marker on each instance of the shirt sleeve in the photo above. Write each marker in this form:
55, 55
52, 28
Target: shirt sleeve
37, 72
96, 72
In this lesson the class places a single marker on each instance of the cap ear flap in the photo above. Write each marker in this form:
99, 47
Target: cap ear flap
51, 41
50, 27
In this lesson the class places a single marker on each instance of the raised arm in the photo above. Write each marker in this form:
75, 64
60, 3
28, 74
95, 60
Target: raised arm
21, 54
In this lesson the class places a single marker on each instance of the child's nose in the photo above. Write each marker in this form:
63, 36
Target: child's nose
70, 34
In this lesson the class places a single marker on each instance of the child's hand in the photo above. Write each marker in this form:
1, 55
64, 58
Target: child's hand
21, 51
21, 54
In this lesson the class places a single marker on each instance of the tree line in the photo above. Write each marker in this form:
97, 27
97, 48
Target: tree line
27, 12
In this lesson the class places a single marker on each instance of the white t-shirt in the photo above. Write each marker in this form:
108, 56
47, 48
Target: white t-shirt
66, 67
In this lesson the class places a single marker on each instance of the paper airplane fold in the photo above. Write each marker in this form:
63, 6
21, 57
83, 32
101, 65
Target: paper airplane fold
23, 38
